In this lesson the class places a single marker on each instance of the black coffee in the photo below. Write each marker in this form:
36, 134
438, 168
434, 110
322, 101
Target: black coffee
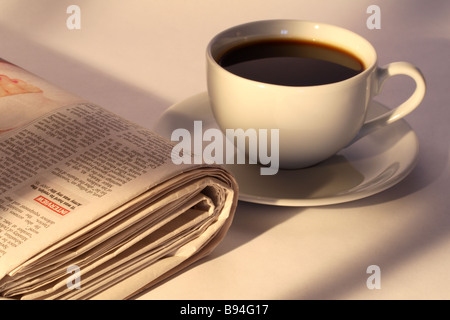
291, 62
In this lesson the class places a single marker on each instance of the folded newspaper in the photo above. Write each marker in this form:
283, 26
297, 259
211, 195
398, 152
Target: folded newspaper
91, 205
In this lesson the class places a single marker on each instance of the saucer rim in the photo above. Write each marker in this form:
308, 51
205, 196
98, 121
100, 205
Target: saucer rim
320, 201
326, 201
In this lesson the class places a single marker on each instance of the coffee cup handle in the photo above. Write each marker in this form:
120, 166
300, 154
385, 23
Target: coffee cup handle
382, 74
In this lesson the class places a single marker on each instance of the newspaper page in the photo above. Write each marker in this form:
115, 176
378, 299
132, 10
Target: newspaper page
92, 205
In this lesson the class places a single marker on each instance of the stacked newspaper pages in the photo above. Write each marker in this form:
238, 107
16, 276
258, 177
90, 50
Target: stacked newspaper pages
92, 206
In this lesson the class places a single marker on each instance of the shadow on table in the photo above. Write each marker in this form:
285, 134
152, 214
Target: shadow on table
250, 222
429, 227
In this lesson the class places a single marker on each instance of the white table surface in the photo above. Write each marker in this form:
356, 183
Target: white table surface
138, 57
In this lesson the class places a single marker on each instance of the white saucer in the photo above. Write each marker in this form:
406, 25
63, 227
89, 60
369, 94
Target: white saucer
371, 165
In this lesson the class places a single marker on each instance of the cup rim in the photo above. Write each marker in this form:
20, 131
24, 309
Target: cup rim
368, 67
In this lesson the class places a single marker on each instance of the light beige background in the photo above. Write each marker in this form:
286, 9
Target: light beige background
138, 57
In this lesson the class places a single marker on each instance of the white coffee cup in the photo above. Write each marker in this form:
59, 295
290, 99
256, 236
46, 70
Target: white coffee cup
314, 122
